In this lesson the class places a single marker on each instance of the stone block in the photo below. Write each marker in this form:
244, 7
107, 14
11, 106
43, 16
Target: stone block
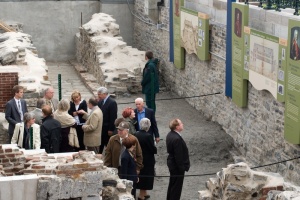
93, 177
78, 188
93, 188
125, 196
66, 189
54, 188
42, 189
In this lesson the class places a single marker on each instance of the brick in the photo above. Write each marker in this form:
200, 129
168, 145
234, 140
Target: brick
39, 166
265, 190
8, 150
81, 165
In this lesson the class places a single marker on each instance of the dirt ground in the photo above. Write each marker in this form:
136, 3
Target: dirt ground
209, 146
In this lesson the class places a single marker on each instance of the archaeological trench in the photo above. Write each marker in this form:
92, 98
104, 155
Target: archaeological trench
103, 58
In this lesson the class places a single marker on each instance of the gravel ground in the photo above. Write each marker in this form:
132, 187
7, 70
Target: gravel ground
209, 146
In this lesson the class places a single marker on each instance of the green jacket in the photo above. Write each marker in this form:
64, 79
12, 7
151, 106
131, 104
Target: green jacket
150, 67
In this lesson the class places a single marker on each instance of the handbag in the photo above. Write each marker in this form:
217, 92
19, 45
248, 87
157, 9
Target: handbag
73, 139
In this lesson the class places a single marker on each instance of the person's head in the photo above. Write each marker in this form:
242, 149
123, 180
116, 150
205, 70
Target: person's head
29, 118
148, 55
176, 125
296, 34
139, 103
18, 91
145, 124
63, 105
118, 121
47, 110
49, 93
92, 102
76, 97
40, 103
129, 142
102, 93
128, 112
123, 129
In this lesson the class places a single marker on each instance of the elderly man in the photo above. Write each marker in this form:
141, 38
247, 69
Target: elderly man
50, 131
49, 100
114, 149
178, 159
15, 110
142, 112
109, 109
93, 126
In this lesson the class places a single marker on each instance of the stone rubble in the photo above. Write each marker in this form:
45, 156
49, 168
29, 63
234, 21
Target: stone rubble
238, 181
104, 54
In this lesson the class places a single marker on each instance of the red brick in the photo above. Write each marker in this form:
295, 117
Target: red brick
10, 155
8, 150
5, 160
280, 187
38, 166
267, 189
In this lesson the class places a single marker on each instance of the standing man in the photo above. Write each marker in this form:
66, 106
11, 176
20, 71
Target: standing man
93, 126
150, 81
115, 148
50, 131
178, 160
15, 110
110, 110
49, 100
142, 112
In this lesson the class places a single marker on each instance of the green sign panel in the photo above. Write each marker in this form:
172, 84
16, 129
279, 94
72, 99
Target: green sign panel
239, 84
292, 105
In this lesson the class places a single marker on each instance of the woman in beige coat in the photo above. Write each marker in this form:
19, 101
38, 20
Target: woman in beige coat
22, 136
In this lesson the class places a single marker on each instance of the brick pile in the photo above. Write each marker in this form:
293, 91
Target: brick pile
12, 161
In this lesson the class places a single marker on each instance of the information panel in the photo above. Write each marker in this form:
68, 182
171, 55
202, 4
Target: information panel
292, 105
239, 84
178, 50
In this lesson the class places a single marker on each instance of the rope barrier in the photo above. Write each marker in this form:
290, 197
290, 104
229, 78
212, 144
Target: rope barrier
175, 98
207, 174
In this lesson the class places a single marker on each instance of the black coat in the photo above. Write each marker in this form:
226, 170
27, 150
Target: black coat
82, 106
50, 135
178, 158
128, 167
149, 149
110, 112
149, 113
12, 114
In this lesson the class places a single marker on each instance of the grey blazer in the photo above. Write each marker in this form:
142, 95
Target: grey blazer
12, 114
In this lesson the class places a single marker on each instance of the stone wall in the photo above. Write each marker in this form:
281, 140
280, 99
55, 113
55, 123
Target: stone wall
258, 129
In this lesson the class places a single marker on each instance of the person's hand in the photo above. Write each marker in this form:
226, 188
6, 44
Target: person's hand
80, 112
75, 113
137, 172
138, 180
110, 133
157, 140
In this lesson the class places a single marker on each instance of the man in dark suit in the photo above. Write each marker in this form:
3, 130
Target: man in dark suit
142, 112
15, 110
110, 111
178, 160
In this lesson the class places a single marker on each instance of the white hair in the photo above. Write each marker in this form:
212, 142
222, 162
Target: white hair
102, 90
145, 124
141, 100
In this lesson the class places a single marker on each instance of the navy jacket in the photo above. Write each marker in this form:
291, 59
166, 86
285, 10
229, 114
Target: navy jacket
149, 113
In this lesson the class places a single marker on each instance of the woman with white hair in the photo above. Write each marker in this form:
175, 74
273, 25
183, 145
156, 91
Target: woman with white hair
66, 121
23, 136
146, 141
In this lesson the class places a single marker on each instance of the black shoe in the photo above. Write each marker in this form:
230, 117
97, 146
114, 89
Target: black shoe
147, 196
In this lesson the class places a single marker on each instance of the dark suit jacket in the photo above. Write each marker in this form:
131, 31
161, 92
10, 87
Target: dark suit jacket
82, 106
149, 113
110, 111
178, 158
12, 114
128, 168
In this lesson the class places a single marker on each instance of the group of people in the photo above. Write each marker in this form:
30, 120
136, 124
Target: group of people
127, 143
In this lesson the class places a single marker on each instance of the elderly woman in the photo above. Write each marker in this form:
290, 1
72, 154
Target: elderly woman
66, 121
129, 115
148, 148
77, 104
23, 136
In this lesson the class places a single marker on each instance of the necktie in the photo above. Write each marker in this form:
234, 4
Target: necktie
20, 110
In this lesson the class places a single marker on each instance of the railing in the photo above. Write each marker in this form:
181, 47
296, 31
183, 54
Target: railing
277, 4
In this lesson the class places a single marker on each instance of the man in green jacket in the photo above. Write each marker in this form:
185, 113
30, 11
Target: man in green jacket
150, 82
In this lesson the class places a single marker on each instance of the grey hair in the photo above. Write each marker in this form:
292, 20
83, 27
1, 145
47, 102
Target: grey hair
145, 124
63, 105
46, 90
102, 90
28, 116
141, 100
40, 102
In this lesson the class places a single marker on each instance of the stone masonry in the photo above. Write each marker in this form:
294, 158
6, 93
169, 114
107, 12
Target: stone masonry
258, 129
102, 51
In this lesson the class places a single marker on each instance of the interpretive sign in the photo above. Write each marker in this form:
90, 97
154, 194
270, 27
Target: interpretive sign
292, 86
239, 84
178, 50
